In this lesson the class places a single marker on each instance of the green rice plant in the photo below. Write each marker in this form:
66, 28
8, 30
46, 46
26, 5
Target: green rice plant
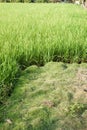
39, 33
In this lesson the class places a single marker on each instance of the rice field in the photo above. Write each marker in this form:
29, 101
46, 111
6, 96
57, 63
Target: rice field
34, 34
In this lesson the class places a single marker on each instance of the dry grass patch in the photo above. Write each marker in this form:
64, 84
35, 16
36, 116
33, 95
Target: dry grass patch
48, 98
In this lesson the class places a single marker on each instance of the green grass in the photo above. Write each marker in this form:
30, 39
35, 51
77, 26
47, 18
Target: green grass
36, 34
48, 98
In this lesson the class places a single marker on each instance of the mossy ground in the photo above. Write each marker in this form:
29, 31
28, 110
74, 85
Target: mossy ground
52, 97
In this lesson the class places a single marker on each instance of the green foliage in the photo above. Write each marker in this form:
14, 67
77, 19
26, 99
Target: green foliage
12, 1
36, 34
77, 109
42, 1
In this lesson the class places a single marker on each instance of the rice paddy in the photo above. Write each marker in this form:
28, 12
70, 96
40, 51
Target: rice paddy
42, 83
34, 34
